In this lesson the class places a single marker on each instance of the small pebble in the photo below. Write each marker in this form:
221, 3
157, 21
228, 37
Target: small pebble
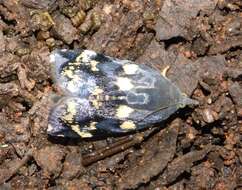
209, 116
209, 101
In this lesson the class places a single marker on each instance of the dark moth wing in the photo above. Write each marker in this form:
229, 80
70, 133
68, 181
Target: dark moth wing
121, 93
71, 117
75, 117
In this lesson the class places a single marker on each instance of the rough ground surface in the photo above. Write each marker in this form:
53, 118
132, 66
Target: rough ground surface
197, 148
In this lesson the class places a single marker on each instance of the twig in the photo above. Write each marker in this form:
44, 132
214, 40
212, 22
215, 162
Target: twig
14, 169
113, 149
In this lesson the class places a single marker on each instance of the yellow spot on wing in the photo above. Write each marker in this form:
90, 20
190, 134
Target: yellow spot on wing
130, 69
72, 84
93, 125
75, 64
81, 57
85, 56
60, 135
96, 103
69, 73
71, 106
124, 83
123, 111
97, 97
97, 91
128, 125
71, 68
94, 64
107, 97
50, 128
83, 134
164, 71
71, 111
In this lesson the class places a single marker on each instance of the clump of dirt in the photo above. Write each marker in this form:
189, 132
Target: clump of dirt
196, 148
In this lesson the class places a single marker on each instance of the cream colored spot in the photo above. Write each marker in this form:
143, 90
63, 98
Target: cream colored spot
71, 86
71, 107
93, 125
60, 135
69, 73
124, 111
96, 103
164, 71
117, 98
80, 57
83, 134
50, 128
128, 125
75, 63
73, 83
84, 57
130, 69
97, 91
71, 68
94, 64
106, 97
124, 83
68, 117
71, 111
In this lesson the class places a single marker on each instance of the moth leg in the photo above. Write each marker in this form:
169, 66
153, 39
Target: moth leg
164, 71
14, 169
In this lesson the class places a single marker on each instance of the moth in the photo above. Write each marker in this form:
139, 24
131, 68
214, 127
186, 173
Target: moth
107, 96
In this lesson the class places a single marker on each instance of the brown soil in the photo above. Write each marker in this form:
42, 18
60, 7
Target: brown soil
198, 148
